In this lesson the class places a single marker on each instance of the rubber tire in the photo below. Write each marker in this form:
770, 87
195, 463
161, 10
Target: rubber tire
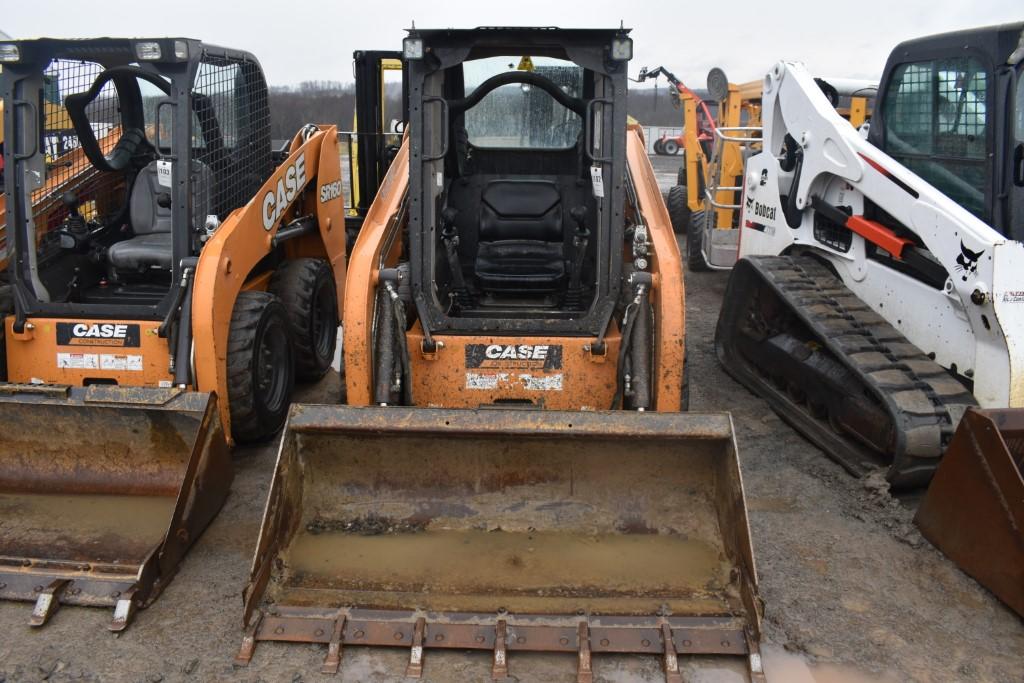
681, 175
671, 147
659, 147
694, 237
252, 419
306, 288
678, 209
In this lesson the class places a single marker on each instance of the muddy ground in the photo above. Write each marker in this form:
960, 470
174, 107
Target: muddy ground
850, 586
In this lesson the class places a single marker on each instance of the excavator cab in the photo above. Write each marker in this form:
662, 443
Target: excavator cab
511, 470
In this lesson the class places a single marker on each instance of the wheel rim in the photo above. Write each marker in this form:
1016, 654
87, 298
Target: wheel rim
323, 315
271, 372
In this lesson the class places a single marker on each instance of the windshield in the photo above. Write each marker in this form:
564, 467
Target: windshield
519, 115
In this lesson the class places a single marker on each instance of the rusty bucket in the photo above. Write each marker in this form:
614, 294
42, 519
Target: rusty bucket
506, 530
102, 491
974, 508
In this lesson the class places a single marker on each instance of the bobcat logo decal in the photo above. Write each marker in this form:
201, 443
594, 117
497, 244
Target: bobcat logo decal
967, 262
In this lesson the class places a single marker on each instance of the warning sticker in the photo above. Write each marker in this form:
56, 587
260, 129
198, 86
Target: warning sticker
78, 361
492, 381
112, 361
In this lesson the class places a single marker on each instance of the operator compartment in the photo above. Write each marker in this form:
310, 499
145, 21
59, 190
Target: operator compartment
104, 203
517, 208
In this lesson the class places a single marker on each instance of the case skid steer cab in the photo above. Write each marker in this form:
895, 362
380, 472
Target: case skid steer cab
880, 286
169, 285
512, 472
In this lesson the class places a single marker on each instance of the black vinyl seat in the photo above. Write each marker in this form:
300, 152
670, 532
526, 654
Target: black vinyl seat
521, 244
149, 210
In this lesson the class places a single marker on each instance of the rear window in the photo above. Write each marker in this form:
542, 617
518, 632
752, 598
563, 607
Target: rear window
519, 115
936, 124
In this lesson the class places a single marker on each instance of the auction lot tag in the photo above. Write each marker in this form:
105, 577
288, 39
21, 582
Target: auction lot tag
597, 180
163, 173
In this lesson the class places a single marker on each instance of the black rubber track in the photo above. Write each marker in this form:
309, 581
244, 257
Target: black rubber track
306, 288
923, 401
256, 317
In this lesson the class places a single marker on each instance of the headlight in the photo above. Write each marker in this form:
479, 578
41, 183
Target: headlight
622, 49
412, 48
148, 51
9, 53
181, 49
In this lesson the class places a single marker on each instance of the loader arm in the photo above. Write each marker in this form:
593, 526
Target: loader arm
965, 312
668, 290
295, 190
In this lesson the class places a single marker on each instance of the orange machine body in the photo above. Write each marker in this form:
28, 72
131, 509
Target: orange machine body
473, 370
131, 352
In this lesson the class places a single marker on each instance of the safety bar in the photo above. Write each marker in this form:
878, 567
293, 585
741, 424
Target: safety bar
709, 197
723, 134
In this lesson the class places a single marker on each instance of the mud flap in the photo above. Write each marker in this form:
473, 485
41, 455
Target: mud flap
506, 530
974, 509
102, 491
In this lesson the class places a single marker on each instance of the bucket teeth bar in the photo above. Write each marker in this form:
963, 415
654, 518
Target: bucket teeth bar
65, 584
501, 634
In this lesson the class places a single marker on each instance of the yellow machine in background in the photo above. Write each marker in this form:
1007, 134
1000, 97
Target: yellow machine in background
704, 204
383, 130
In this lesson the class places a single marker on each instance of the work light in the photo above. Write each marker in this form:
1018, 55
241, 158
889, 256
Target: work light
412, 47
9, 53
148, 51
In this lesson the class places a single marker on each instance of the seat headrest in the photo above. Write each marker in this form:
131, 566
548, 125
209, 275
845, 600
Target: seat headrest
150, 202
521, 198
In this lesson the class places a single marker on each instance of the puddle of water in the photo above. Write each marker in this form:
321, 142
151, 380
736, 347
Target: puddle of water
471, 561
784, 667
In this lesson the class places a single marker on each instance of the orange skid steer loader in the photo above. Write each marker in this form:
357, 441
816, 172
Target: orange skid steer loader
152, 330
511, 471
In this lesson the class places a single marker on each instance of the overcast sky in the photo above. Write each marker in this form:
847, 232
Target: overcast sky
300, 40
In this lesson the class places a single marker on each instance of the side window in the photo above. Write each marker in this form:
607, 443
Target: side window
936, 123
231, 130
